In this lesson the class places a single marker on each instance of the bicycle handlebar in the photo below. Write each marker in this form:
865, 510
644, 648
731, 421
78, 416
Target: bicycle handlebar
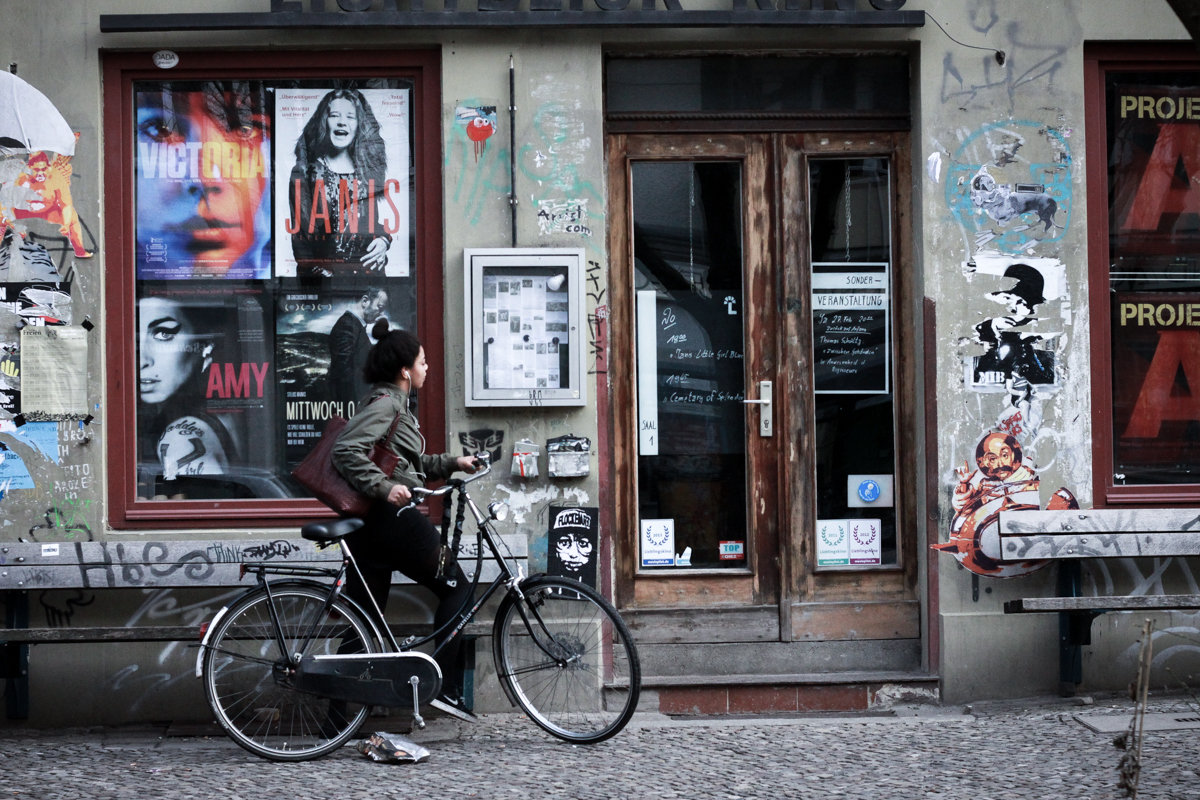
418, 492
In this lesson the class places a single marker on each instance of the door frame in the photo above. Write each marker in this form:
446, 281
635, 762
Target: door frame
785, 598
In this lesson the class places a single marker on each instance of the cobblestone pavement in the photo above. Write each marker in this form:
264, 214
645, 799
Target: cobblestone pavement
1001, 750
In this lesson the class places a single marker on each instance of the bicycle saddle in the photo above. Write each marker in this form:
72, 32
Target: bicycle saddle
331, 531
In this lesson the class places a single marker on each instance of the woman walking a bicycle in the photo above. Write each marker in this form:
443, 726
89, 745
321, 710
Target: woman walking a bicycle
397, 536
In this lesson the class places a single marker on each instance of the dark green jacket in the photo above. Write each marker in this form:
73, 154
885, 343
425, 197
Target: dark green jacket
370, 425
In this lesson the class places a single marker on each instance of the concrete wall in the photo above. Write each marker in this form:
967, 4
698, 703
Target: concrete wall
969, 112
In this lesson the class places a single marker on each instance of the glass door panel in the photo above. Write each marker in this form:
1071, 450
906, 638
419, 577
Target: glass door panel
852, 318
691, 419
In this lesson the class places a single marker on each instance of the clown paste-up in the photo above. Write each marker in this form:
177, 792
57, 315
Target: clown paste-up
479, 123
1001, 482
1017, 360
47, 176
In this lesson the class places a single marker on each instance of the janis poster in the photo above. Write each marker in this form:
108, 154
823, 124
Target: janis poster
203, 164
342, 183
206, 385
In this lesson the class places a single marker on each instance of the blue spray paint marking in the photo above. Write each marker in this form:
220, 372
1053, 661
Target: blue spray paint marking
973, 209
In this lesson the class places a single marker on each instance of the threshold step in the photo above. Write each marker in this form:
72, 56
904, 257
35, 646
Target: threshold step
788, 679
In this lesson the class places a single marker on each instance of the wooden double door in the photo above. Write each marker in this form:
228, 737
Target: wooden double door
763, 335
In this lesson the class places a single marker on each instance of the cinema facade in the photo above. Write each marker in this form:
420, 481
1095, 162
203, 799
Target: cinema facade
785, 301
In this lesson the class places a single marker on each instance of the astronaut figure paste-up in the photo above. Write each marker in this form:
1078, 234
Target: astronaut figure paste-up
1001, 483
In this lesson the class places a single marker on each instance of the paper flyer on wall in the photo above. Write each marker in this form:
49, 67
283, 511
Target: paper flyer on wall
206, 380
54, 372
322, 339
525, 330
342, 182
203, 167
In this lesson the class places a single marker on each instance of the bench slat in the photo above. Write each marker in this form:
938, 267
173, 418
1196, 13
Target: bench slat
1163, 602
1099, 545
1105, 520
165, 633
139, 564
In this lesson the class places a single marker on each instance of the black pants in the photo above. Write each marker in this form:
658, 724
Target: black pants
407, 542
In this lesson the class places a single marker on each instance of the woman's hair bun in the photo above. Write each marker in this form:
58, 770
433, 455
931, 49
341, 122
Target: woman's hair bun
379, 329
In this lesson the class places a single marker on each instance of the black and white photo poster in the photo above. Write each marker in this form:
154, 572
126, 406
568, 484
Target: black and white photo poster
342, 182
574, 543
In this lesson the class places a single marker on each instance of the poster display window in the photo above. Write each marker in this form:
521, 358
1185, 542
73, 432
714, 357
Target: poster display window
274, 220
1153, 127
524, 319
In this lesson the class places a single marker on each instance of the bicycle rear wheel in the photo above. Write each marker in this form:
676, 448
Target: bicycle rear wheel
574, 668
246, 675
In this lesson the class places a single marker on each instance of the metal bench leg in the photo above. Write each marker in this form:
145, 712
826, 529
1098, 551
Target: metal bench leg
14, 657
1070, 638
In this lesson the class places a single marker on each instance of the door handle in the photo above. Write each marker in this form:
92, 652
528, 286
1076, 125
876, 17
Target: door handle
765, 413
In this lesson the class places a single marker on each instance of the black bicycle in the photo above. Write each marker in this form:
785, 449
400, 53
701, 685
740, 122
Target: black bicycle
292, 667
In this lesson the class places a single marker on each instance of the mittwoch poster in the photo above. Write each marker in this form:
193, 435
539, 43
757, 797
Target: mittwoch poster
206, 387
203, 167
322, 341
342, 183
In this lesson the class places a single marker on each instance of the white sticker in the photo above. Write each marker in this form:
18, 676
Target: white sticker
833, 543
165, 59
49, 550
658, 543
866, 541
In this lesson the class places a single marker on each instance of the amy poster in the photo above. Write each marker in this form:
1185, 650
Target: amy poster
342, 182
202, 171
206, 382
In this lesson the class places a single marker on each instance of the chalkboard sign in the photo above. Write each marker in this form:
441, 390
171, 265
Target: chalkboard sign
850, 329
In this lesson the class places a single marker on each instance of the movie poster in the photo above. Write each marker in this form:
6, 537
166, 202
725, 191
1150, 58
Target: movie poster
342, 182
206, 389
203, 165
322, 340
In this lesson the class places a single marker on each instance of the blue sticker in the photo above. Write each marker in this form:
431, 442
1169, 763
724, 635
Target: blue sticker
41, 435
868, 491
13, 472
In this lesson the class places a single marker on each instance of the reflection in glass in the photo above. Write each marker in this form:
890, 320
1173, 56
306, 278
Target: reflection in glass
852, 306
1153, 130
687, 232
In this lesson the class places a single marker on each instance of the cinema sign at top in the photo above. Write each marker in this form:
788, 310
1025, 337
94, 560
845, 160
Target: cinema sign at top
327, 14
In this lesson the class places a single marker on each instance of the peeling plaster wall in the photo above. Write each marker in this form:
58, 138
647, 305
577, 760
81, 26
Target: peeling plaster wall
560, 161
963, 105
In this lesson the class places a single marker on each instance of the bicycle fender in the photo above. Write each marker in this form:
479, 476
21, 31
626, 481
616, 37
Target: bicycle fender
204, 642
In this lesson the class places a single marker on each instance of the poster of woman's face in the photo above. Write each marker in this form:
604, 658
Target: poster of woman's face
203, 165
342, 182
205, 380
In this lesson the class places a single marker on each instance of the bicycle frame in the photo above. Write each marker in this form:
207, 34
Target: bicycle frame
508, 578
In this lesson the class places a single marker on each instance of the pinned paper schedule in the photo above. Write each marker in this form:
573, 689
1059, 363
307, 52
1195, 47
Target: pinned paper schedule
525, 325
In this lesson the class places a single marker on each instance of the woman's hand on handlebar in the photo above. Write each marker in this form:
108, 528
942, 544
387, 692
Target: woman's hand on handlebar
399, 495
468, 464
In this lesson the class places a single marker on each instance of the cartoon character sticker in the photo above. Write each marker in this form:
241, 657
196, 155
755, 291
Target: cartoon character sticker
480, 125
1000, 482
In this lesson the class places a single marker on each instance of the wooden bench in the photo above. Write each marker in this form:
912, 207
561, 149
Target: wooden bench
139, 562
1067, 537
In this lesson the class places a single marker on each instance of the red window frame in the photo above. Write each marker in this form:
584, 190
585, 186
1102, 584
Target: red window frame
1098, 59
423, 66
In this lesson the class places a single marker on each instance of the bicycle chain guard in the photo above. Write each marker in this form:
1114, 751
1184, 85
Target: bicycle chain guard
376, 679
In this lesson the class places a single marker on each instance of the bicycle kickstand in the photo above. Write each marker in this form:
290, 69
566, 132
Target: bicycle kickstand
417, 718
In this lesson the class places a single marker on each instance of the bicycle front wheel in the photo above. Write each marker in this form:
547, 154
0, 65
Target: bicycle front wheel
567, 658
247, 674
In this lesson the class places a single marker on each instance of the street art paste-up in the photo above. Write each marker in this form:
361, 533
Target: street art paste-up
479, 123
572, 540
1009, 185
563, 216
483, 440
1001, 482
1017, 360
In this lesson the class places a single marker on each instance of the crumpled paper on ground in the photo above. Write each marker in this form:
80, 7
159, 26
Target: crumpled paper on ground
392, 748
